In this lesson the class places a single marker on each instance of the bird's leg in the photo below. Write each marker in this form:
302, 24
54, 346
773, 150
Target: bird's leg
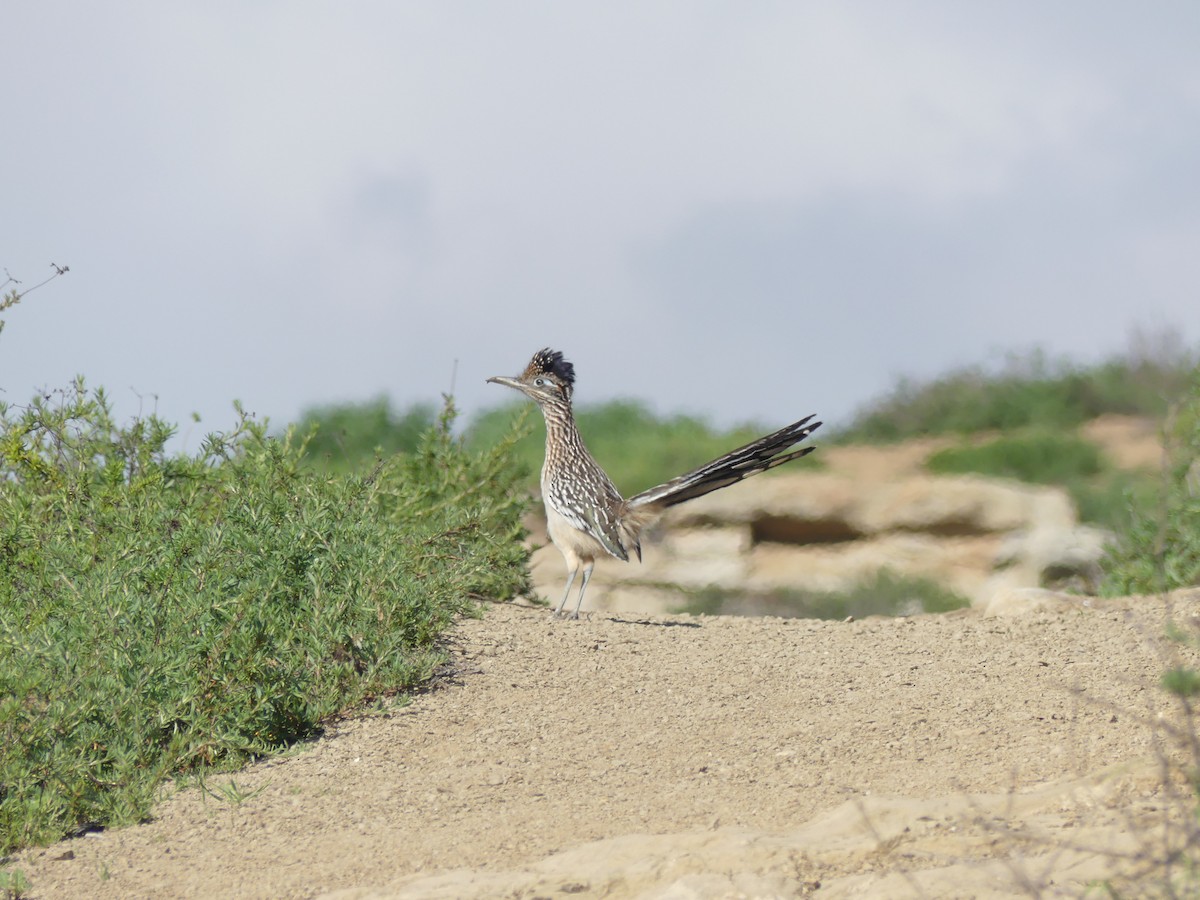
567, 593
587, 576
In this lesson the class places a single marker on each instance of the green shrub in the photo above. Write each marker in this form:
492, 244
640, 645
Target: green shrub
1109, 499
884, 594
1157, 552
1029, 390
351, 437
13, 883
1103, 495
1040, 457
160, 613
1160, 549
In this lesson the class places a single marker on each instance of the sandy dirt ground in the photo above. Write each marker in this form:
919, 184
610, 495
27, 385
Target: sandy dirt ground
676, 757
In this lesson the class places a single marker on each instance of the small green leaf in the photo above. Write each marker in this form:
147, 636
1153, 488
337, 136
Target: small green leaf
1182, 682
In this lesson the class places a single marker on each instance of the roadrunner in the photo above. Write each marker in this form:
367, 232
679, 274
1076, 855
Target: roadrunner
586, 516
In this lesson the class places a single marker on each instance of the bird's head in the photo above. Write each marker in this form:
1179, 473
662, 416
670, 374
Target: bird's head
547, 379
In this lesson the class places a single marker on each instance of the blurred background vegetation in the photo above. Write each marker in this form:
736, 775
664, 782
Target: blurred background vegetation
1031, 390
349, 437
1020, 419
638, 448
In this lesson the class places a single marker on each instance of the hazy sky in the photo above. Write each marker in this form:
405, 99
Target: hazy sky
751, 209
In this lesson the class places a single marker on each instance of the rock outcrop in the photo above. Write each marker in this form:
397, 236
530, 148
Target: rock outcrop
819, 531
870, 509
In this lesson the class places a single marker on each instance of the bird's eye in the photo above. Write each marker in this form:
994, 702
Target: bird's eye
540, 382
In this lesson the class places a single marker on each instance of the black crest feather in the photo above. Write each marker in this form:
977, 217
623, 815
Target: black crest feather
551, 362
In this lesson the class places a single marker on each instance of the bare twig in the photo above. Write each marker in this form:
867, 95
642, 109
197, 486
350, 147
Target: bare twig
13, 297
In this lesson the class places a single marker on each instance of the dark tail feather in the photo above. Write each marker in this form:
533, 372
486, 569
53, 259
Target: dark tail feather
736, 465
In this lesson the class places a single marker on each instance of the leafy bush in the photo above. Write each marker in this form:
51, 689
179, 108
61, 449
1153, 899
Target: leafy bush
1157, 553
637, 448
160, 613
350, 437
1040, 457
885, 594
1102, 494
1160, 550
1029, 390
1110, 499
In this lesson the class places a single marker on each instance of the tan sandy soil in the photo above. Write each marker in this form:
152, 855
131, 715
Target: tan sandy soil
621, 756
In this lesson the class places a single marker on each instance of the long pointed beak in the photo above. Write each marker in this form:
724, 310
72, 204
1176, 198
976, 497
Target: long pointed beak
507, 382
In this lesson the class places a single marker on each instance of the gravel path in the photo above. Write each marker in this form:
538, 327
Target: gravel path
625, 756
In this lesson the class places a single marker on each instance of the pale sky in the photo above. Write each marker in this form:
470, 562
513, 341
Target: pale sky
751, 210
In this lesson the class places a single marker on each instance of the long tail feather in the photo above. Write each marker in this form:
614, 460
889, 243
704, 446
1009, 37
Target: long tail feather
736, 465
